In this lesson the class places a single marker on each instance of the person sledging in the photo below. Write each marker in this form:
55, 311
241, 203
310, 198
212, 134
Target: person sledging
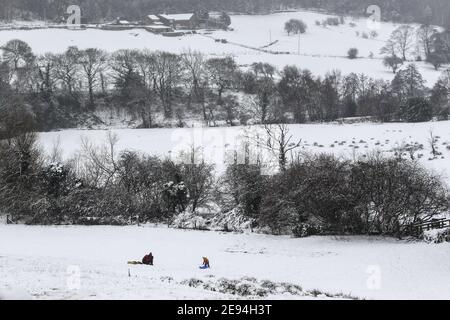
148, 259
206, 264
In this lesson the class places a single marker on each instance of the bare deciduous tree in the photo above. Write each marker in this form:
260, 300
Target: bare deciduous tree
402, 39
93, 63
67, 69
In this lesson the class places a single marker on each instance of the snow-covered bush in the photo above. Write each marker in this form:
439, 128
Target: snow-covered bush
437, 236
291, 288
350, 197
252, 288
303, 230
195, 283
233, 220
190, 220
332, 21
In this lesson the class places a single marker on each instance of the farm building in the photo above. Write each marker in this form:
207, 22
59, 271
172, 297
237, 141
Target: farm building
180, 21
120, 24
152, 19
198, 20
158, 29
154, 24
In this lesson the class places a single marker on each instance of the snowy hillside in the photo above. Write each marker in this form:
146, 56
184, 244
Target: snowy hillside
322, 49
350, 140
46, 261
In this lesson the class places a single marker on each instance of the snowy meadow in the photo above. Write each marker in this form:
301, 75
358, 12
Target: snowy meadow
90, 263
347, 140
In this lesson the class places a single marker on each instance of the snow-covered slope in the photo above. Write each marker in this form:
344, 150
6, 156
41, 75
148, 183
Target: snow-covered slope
322, 49
44, 262
349, 140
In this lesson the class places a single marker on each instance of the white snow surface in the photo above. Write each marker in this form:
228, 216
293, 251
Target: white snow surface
322, 49
346, 140
35, 260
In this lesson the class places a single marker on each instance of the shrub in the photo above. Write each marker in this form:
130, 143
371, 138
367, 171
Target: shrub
242, 186
437, 59
295, 26
352, 53
303, 230
393, 62
332, 21
325, 194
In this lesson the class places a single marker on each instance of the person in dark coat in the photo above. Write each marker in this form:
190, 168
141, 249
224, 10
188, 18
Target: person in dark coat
148, 259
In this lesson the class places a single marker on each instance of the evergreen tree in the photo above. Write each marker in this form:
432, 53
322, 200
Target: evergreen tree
408, 83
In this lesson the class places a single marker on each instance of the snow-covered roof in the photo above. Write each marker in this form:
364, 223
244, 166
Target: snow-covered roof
153, 17
124, 22
178, 17
158, 27
215, 14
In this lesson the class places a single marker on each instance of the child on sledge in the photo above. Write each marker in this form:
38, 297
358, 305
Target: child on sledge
205, 263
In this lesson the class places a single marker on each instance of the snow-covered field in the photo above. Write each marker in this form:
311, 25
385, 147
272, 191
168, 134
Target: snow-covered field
91, 262
322, 49
349, 140
44, 263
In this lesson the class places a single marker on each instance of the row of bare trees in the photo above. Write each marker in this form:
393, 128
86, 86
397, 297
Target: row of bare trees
64, 89
143, 81
426, 42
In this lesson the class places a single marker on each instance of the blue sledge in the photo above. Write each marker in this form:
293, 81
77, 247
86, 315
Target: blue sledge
204, 267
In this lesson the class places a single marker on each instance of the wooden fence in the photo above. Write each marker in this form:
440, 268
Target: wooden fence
418, 228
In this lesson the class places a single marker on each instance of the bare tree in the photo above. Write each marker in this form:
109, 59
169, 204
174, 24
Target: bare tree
425, 36
194, 63
45, 70
99, 165
19, 59
432, 141
146, 64
277, 140
198, 178
392, 62
221, 72
390, 48
93, 63
67, 69
166, 78
404, 39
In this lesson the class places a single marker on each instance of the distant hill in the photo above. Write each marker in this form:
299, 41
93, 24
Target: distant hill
420, 11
